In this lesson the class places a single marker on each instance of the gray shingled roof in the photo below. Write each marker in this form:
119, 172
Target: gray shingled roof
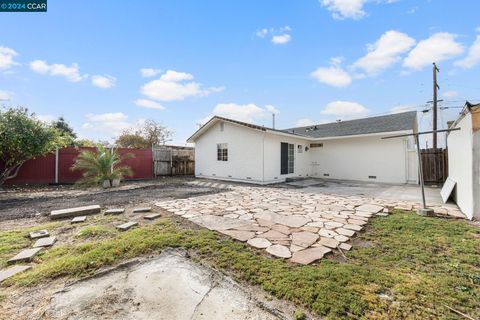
388, 123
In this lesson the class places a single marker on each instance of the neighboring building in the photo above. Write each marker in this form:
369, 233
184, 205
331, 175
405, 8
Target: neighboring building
352, 150
464, 160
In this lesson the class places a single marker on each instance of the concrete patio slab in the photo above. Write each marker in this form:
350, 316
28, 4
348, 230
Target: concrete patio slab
45, 242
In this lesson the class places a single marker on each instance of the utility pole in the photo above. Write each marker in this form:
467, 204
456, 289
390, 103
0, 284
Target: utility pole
435, 88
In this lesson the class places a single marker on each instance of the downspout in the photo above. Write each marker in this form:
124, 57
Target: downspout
263, 158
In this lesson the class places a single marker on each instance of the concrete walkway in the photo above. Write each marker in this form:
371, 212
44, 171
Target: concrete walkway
169, 287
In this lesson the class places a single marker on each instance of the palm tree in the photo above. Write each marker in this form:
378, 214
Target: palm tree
101, 165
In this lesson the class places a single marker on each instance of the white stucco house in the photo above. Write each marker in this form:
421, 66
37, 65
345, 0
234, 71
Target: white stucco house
227, 149
464, 160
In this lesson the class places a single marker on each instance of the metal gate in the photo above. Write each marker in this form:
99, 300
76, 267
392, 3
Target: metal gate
173, 161
435, 165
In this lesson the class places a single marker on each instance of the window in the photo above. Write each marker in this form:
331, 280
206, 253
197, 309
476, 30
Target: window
222, 152
291, 158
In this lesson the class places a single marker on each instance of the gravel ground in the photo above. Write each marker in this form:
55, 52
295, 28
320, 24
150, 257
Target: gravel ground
39, 201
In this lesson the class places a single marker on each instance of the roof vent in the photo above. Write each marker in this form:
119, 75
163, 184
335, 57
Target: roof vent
339, 120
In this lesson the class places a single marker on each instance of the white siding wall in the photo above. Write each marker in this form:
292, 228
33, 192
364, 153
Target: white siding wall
254, 156
272, 158
460, 164
245, 153
359, 158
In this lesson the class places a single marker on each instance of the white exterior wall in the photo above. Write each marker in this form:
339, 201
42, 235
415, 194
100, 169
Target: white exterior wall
245, 153
272, 158
254, 156
460, 165
359, 158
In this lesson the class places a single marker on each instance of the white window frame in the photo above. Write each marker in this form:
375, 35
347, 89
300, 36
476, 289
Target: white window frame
222, 151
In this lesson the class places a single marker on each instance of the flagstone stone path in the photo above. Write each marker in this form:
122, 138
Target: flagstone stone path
286, 223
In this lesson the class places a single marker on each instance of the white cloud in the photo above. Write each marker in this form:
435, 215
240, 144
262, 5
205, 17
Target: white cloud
173, 85
71, 73
450, 94
334, 75
305, 122
104, 82
345, 109
278, 35
5, 95
440, 46
342, 9
262, 33
403, 108
250, 113
6, 58
281, 39
110, 123
385, 52
150, 72
473, 56
149, 104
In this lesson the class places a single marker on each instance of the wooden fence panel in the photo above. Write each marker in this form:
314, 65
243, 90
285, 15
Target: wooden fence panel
435, 165
170, 161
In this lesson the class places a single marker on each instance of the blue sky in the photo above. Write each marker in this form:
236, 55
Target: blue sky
309, 61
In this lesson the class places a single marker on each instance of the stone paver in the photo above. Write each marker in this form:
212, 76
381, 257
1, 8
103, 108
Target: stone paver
25, 255
279, 251
74, 212
345, 246
39, 234
10, 272
145, 209
152, 216
310, 255
45, 242
114, 211
281, 221
127, 225
259, 243
79, 219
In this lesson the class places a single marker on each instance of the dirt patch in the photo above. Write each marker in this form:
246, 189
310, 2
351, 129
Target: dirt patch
25, 203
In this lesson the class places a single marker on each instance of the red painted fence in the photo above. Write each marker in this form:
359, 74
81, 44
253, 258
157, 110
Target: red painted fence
42, 170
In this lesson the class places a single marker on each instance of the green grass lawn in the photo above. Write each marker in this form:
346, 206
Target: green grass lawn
408, 267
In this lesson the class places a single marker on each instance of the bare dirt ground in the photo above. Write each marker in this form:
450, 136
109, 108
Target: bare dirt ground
29, 202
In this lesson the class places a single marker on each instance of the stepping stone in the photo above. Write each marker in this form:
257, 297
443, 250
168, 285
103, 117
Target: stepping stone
259, 243
373, 208
281, 228
239, 235
152, 216
45, 242
352, 227
333, 224
280, 251
304, 239
341, 238
39, 234
345, 232
357, 222
79, 219
327, 233
127, 225
145, 209
274, 235
25, 255
310, 255
73, 212
329, 242
10, 272
345, 246
114, 211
